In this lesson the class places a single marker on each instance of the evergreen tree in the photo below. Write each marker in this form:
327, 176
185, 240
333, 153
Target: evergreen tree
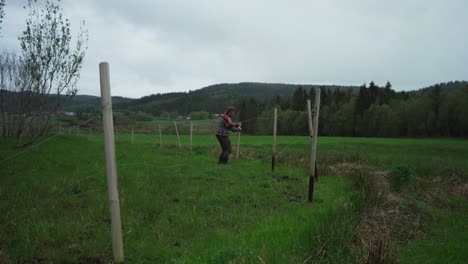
299, 99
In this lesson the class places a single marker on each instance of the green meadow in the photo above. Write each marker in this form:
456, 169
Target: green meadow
179, 206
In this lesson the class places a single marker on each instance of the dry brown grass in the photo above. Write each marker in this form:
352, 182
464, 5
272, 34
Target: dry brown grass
390, 219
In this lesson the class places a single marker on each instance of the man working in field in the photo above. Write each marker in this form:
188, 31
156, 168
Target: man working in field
222, 133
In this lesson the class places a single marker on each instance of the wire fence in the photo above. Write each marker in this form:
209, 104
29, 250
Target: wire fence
144, 134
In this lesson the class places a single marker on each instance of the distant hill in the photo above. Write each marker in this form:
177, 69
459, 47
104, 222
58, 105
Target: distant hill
88, 103
447, 87
214, 98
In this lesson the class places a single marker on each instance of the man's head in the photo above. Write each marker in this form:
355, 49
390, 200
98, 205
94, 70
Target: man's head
230, 111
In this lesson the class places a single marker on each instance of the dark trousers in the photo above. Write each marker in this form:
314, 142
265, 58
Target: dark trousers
226, 148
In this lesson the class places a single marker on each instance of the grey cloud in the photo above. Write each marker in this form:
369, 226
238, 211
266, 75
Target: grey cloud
162, 46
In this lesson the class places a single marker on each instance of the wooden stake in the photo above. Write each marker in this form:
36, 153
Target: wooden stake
132, 135
177, 133
111, 168
314, 139
313, 131
311, 168
238, 142
273, 152
191, 132
160, 137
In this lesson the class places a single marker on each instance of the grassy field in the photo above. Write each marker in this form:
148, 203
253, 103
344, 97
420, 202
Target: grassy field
181, 207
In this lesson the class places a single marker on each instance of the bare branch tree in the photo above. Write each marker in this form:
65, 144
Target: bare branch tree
2, 13
9, 69
50, 67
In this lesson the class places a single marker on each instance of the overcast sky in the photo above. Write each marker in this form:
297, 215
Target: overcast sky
179, 45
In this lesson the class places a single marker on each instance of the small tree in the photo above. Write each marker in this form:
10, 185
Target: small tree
50, 67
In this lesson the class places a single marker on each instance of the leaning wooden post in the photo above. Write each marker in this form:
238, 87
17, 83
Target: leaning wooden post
132, 135
238, 142
160, 137
273, 152
177, 133
314, 139
111, 168
191, 133
312, 156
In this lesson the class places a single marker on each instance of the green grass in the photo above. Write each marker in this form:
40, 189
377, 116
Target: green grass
181, 207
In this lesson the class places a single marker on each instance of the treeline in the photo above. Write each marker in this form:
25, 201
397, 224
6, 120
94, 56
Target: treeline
437, 111
212, 99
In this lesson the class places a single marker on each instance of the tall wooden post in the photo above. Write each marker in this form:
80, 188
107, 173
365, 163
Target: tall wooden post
311, 167
111, 168
313, 132
177, 133
273, 151
314, 139
160, 137
191, 133
238, 142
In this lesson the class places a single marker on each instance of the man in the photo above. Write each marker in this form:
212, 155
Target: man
222, 133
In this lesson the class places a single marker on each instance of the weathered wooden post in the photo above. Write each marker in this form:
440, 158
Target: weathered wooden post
315, 138
311, 167
238, 142
273, 151
177, 133
313, 132
111, 168
160, 137
191, 133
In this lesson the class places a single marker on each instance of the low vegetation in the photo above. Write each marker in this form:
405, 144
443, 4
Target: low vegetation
371, 205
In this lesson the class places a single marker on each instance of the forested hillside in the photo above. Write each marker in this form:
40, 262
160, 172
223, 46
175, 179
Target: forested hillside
368, 110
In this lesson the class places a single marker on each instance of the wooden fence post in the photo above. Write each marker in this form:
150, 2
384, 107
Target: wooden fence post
311, 167
177, 133
191, 132
313, 131
273, 152
111, 168
160, 137
238, 141
315, 138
